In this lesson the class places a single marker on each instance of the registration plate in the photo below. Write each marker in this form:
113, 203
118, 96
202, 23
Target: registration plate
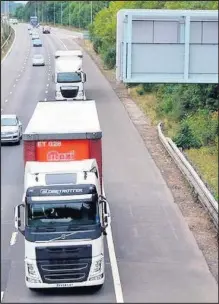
65, 285
69, 88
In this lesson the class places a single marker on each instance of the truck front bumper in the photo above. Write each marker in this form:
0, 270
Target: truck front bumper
95, 282
59, 97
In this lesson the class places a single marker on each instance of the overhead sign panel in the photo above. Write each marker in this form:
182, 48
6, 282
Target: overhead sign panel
167, 46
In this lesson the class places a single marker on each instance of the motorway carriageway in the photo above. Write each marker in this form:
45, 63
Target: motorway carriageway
157, 256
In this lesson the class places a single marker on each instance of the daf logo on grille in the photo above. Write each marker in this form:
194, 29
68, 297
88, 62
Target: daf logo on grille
63, 236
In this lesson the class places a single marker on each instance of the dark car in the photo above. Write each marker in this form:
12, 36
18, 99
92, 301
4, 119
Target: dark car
46, 30
37, 42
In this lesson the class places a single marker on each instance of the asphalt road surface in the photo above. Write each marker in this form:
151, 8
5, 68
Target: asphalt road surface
157, 256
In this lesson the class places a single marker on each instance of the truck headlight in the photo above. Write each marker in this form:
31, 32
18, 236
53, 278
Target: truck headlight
97, 267
31, 270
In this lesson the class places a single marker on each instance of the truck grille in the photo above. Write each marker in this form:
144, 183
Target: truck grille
64, 271
69, 264
69, 93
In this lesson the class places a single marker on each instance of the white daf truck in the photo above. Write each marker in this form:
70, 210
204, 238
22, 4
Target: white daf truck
69, 76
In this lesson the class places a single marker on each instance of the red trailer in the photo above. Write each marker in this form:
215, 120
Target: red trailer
64, 131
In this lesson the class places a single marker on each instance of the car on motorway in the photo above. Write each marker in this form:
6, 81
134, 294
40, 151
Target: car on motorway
37, 42
38, 60
46, 30
35, 36
11, 129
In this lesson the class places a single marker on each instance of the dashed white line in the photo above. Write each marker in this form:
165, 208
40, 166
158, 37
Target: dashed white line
46, 92
2, 293
19, 75
1, 109
10, 93
45, 99
13, 238
17, 79
14, 85
47, 84
6, 100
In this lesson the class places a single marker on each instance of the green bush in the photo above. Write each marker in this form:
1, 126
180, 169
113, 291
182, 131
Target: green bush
97, 44
149, 87
204, 126
140, 90
216, 142
185, 138
109, 58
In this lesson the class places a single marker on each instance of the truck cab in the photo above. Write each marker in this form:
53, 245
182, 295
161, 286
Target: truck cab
65, 220
69, 76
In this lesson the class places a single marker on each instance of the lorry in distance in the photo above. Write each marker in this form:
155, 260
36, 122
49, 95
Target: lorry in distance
69, 76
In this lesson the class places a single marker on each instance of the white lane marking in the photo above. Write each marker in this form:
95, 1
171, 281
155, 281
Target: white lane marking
46, 92
13, 238
47, 84
45, 99
6, 100
60, 41
9, 51
1, 109
114, 265
19, 75
10, 93
17, 79
2, 294
14, 85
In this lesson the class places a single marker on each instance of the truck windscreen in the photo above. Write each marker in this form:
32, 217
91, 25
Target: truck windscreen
68, 77
48, 213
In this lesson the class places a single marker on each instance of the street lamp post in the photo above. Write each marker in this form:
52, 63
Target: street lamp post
61, 12
54, 21
68, 14
91, 12
79, 14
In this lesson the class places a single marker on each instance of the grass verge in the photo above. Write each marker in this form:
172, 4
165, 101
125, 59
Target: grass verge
204, 160
5, 49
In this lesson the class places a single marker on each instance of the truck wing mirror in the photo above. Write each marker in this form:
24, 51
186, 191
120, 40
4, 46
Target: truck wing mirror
17, 217
84, 77
106, 217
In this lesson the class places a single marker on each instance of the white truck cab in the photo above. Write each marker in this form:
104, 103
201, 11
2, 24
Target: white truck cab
69, 76
65, 220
